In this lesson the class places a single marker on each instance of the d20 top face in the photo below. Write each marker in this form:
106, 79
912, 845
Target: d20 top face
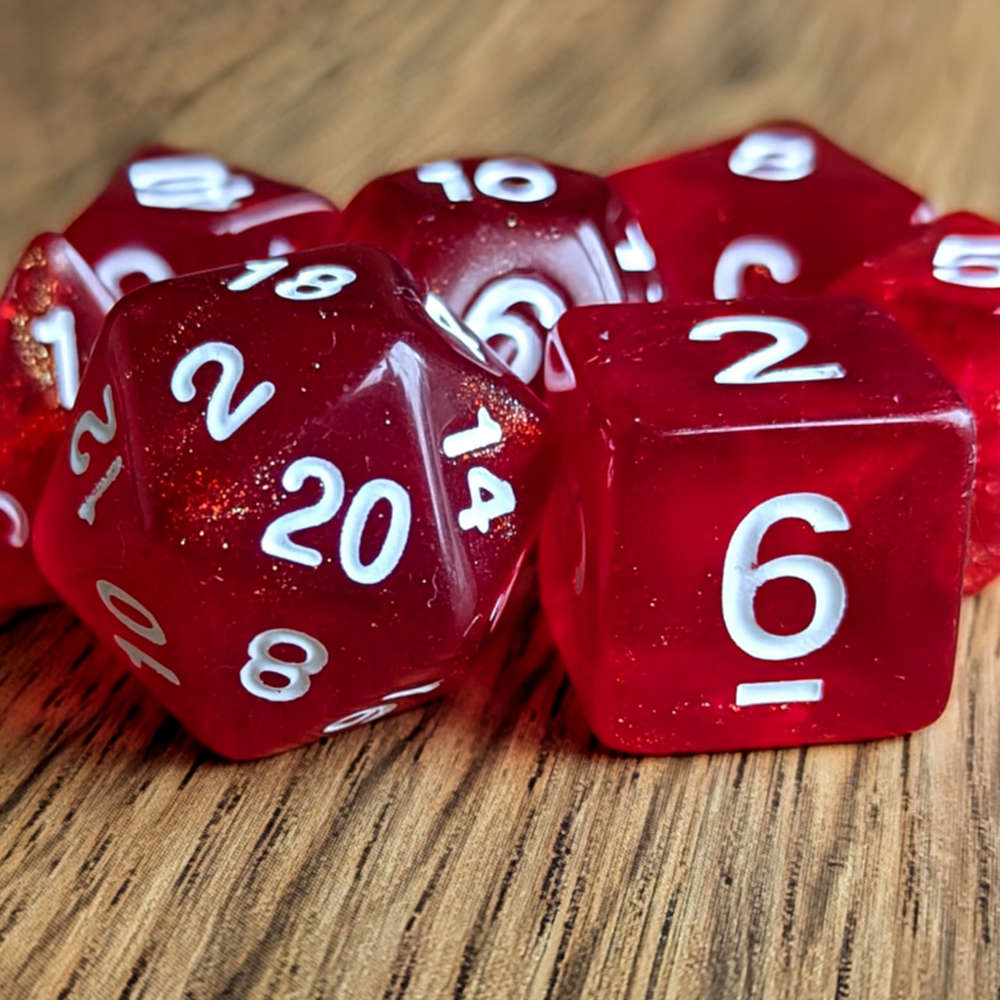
50, 315
758, 526
169, 212
943, 287
291, 498
509, 244
778, 210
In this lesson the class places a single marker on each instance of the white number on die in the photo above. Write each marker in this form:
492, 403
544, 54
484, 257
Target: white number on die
141, 622
198, 183
115, 267
512, 337
742, 577
781, 261
11, 509
508, 180
297, 674
276, 540
221, 418
973, 261
256, 271
318, 281
57, 328
758, 368
774, 155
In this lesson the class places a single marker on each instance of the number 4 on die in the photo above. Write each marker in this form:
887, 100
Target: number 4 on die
757, 535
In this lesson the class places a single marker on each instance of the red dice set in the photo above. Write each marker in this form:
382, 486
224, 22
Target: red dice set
743, 396
165, 212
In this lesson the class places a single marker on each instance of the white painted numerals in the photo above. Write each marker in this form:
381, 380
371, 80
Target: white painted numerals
221, 418
508, 180
12, 511
781, 261
490, 496
197, 183
973, 261
57, 328
742, 577
103, 431
316, 281
140, 621
758, 368
774, 155
115, 267
277, 541
510, 335
296, 674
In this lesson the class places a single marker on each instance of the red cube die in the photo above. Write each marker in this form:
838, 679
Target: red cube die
943, 287
777, 210
164, 212
293, 497
757, 531
508, 244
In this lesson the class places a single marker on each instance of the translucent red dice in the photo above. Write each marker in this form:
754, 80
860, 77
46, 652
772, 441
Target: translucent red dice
169, 212
777, 210
758, 526
943, 286
293, 497
508, 244
166, 211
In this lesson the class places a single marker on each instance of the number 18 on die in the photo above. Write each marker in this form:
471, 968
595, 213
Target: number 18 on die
757, 531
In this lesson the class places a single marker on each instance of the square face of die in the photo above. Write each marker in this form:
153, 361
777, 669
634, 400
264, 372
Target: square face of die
763, 569
291, 501
778, 208
508, 243
168, 212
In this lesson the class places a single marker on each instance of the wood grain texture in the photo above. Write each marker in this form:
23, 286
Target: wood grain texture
484, 848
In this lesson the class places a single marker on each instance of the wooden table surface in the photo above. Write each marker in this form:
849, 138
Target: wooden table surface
485, 847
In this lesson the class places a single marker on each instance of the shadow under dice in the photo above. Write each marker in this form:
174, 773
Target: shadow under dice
777, 210
293, 497
165, 212
757, 531
508, 244
943, 287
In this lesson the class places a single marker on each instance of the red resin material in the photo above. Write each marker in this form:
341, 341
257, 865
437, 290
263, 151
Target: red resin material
168, 211
293, 500
757, 532
62, 288
943, 287
508, 244
777, 210
50, 316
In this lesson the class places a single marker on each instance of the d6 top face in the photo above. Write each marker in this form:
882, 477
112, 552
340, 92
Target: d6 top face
292, 499
943, 286
508, 244
778, 210
757, 530
50, 315
169, 211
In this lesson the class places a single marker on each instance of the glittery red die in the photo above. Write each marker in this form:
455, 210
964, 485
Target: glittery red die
509, 244
296, 496
166, 211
